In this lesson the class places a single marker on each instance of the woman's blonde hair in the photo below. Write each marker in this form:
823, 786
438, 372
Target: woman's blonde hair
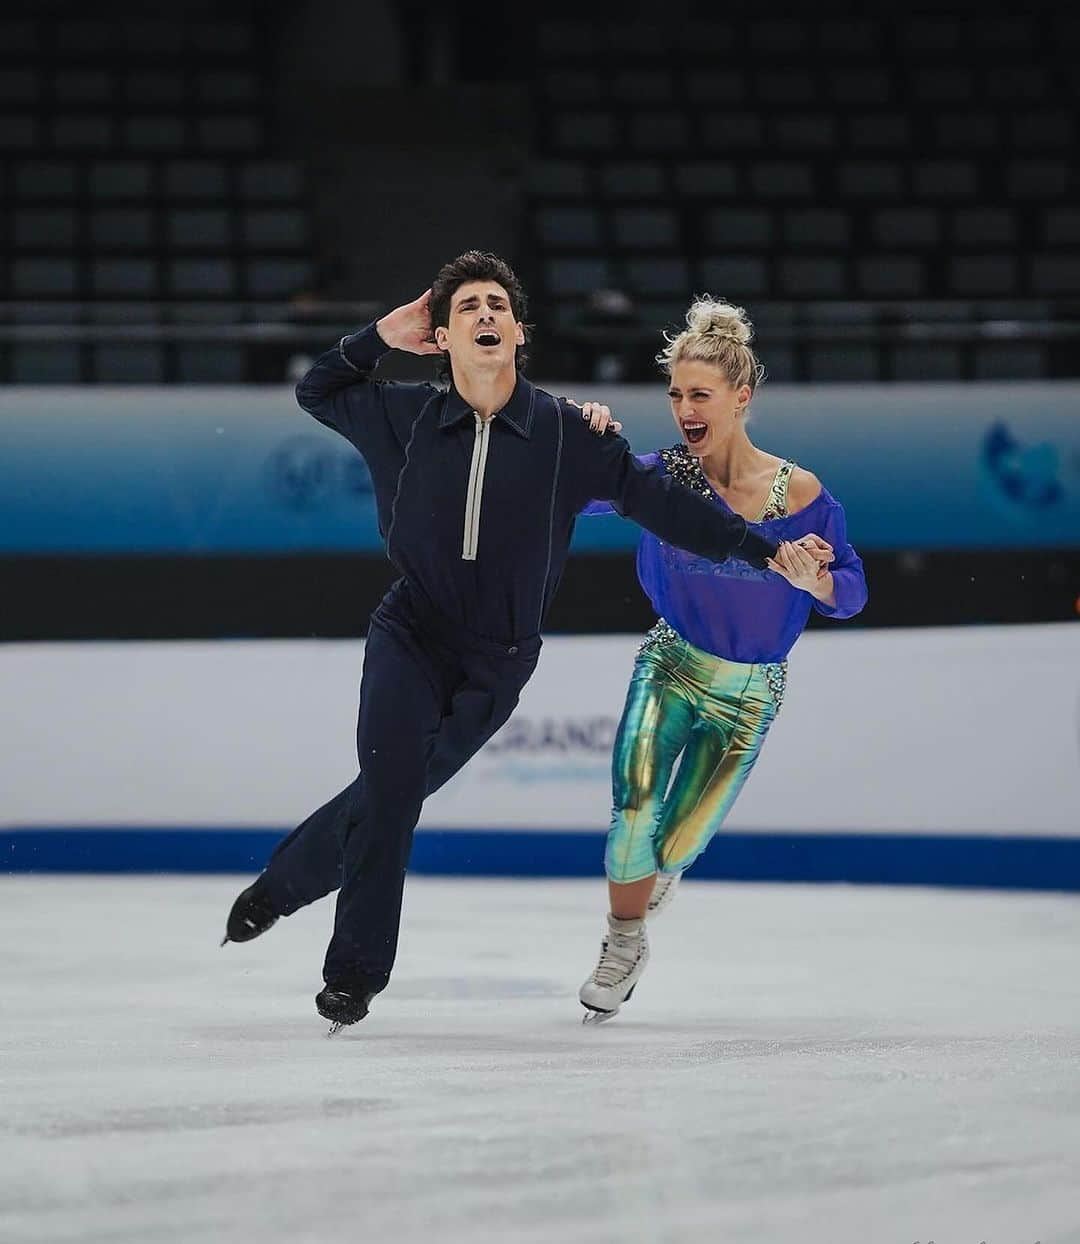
719, 333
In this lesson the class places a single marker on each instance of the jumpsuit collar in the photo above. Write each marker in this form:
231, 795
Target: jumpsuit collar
517, 413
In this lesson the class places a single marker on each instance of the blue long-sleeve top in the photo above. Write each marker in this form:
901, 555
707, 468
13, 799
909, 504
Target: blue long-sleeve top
477, 516
733, 610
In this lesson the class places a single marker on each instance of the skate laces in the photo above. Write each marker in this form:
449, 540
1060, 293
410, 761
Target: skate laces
619, 954
662, 890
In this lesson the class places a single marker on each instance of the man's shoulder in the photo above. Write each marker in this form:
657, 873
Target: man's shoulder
576, 428
566, 406
409, 398
419, 388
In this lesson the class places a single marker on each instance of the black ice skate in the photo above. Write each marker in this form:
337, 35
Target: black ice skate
343, 1003
251, 915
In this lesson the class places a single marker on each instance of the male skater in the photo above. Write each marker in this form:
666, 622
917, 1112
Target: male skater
477, 489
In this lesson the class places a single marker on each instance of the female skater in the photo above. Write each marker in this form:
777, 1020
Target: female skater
710, 675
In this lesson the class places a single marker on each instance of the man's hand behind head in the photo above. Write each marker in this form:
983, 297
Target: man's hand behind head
408, 327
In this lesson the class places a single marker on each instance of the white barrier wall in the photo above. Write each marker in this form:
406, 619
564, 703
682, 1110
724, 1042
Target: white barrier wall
957, 731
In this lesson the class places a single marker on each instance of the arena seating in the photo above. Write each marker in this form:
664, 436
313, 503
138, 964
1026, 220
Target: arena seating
141, 184
821, 171
893, 198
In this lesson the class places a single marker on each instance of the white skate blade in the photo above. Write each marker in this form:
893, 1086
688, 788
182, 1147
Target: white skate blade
335, 1028
592, 1018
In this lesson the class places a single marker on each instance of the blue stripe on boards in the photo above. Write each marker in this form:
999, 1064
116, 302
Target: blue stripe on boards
879, 859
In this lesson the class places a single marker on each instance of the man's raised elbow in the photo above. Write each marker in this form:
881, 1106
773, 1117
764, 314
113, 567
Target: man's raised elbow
307, 396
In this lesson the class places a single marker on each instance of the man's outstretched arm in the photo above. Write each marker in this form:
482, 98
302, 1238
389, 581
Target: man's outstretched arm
604, 468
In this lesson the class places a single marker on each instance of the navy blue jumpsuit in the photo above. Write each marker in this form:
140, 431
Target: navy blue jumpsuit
477, 516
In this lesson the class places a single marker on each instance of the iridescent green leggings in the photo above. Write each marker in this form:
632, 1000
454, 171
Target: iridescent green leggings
716, 713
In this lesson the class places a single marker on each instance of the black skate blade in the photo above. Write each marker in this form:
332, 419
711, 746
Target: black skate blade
341, 1009
224, 941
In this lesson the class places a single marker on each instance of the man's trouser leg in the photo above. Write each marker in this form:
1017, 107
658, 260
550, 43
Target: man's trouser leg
425, 709
307, 864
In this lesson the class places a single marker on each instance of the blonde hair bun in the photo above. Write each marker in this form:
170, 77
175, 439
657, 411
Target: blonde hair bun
719, 333
710, 317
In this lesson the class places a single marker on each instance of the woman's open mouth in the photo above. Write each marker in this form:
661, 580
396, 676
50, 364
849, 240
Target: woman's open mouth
695, 432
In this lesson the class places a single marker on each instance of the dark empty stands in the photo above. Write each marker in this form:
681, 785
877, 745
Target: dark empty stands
892, 163
140, 165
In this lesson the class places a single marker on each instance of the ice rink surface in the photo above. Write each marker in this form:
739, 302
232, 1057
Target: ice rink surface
813, 1065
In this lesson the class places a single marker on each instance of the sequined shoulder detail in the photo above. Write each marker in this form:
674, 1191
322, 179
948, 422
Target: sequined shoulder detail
683, 467
776, 504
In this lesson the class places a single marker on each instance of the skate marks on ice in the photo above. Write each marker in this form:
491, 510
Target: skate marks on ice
477, 988
833, 1066
193, 1117
460, 991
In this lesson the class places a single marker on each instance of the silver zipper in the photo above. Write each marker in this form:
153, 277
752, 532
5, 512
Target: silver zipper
475, 493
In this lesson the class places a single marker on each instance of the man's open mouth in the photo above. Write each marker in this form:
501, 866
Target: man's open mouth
695, 432
487, 338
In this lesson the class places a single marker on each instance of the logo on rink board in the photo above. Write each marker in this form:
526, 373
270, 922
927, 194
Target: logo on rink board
1029, 475
561, 736
305, 474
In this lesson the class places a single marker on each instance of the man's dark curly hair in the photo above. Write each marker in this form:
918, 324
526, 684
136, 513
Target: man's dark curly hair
477, 266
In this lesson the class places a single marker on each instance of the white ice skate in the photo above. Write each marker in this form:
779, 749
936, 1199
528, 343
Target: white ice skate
662, 894
624, 953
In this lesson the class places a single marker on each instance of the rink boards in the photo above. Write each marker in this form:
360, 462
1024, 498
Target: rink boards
131, 471
939, 756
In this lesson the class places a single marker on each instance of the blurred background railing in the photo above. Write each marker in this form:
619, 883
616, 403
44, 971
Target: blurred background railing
272, 342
